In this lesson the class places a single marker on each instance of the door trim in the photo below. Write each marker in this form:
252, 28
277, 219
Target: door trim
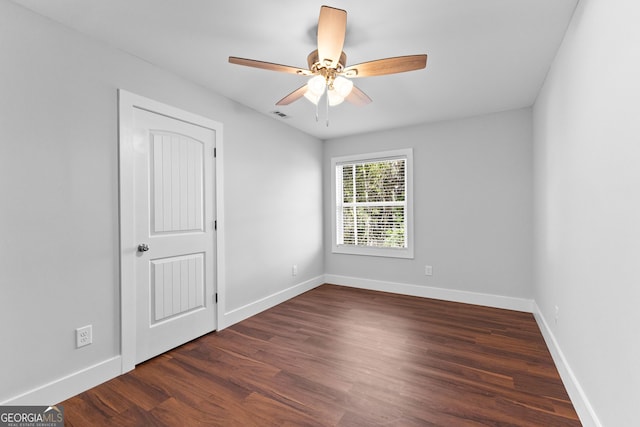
127, 101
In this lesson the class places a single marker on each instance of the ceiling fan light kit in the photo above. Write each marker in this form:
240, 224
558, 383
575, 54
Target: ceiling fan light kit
327, 66
342, 87
336, 92
315, 88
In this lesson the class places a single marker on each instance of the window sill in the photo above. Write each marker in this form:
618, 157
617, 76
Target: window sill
371, 251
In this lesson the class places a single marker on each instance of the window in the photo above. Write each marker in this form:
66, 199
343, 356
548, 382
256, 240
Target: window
373, 204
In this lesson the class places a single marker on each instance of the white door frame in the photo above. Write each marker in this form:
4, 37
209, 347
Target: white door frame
127, 101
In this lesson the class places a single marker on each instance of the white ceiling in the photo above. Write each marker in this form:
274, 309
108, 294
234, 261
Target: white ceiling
484, 56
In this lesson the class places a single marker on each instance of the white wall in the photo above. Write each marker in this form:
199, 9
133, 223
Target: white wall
273, 210
473, 210
59, 191
587, 206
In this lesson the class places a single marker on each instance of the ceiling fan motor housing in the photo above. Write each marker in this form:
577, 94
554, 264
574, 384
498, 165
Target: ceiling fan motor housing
315, 65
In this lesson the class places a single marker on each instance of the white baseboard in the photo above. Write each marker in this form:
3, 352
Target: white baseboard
239, 314
488, 300
70, 385
578, 397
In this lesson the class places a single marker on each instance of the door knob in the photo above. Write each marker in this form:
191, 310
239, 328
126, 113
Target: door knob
143, 247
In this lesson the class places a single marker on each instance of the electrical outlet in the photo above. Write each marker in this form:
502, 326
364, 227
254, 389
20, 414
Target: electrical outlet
84, 336
294, 270
428, 270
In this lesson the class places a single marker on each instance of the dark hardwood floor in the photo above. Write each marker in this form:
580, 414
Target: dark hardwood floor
338, 356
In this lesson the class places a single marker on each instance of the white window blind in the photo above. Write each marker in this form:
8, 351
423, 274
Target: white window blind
371, 203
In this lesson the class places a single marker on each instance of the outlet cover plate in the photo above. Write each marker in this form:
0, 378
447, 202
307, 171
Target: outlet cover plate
84, 336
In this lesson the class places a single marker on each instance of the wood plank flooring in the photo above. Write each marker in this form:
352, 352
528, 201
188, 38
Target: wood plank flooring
337, 356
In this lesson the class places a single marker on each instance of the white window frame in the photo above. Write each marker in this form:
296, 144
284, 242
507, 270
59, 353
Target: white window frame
407, 252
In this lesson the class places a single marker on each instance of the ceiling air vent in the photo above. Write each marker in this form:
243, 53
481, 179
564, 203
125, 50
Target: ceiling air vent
280, 114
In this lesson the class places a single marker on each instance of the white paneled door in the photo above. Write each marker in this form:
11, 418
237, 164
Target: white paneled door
174, 198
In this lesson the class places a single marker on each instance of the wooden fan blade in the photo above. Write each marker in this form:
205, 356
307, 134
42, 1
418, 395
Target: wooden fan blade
380, 67
358, 97
293, 96
332, 28
269, 66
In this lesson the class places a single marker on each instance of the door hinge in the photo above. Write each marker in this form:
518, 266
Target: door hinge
215, 152
215, 224
216, 297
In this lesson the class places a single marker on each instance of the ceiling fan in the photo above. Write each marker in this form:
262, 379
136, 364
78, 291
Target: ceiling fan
327, 65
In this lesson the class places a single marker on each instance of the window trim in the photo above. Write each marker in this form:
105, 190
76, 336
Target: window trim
375, 251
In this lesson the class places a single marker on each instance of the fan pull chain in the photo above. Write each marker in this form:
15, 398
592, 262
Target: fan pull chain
326, 93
